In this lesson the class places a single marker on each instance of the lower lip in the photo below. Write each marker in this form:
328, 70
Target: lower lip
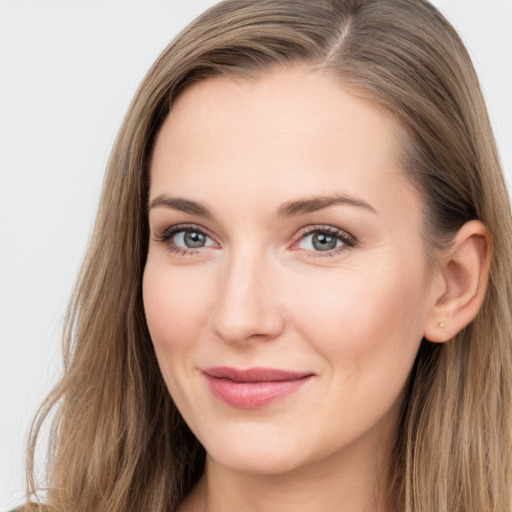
253, 395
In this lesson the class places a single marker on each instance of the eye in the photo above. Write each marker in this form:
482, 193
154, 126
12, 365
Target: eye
325, 239
319, 242
190, 239
185, 239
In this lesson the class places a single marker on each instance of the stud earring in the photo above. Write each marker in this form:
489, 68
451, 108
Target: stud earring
441, 325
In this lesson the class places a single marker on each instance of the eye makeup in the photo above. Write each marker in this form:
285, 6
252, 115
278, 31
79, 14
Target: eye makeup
314, 241
323, 240
185, 239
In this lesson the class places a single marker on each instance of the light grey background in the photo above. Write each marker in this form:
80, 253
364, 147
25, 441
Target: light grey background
68, 70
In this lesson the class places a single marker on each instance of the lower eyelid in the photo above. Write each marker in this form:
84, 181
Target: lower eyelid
326, 254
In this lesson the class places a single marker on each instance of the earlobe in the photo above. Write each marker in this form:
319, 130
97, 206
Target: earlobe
463, 271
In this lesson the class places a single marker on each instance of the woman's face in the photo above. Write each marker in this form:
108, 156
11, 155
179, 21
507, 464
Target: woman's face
286, 288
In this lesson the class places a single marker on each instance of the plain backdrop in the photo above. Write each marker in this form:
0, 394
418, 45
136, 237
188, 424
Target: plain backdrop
68, 70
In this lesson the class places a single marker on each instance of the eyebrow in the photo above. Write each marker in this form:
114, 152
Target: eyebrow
289, 209
180, 204
313, 204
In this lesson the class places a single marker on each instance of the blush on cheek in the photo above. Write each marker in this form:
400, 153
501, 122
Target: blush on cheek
173, 318
365, 318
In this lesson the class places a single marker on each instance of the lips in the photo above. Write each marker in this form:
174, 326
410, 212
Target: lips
253, 388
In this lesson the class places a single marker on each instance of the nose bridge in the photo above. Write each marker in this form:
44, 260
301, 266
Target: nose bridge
244, 307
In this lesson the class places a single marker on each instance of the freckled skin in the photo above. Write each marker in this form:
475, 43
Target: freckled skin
257, 294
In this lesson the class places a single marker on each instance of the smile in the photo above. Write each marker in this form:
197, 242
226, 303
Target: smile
255, 387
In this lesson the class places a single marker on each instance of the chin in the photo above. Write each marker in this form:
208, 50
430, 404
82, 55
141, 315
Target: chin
255, 450
257, 461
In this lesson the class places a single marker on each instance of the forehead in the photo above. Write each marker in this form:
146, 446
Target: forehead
290, 133
317, 106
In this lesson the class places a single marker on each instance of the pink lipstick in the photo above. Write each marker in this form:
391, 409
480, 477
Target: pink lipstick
255, 387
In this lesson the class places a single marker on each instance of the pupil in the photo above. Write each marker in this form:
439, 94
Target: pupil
323, 242
193, 239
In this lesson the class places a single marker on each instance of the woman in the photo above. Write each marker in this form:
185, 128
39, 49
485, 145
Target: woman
297, 296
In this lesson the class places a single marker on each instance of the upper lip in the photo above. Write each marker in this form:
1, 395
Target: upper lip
254, 374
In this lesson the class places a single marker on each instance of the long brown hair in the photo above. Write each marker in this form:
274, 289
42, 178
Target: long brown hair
118, 444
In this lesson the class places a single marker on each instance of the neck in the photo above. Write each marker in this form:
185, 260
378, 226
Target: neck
347, 481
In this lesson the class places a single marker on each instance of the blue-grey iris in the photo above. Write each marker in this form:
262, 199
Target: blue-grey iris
323, 242
193, 239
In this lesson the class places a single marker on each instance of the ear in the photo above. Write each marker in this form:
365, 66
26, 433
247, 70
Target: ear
461, 281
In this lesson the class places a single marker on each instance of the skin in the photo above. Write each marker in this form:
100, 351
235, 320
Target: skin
259, 293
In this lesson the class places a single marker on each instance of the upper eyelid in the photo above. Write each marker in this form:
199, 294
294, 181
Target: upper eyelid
178, 228
319, 228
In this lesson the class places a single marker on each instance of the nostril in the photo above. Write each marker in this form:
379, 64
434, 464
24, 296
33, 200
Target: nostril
247, 321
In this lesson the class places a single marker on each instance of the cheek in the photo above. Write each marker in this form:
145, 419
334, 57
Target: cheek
365, 320
175, 304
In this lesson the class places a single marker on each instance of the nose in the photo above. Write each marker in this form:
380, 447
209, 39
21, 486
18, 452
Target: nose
248, 301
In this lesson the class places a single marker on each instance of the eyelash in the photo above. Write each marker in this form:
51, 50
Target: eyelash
166, 238
348, 240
